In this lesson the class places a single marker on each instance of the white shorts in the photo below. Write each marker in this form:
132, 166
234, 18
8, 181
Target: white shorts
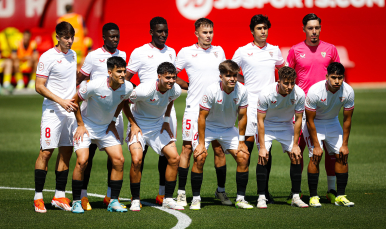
251, 121
56, 129
228, 138
119, 125
190, 118
152, 138
329, 134
173, 122
285, 137
100, 138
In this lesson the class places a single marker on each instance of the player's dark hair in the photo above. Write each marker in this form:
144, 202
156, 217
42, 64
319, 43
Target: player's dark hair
68, 8
157, 21
64, 28
228, 66
166, 67
115, 61
259, 19
109, 26
27, 31
203, 22
335, 68
287, 73
310, 17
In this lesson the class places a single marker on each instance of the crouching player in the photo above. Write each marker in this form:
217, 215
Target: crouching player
276, 107
153, 102
96, 124
323, 104
222, 102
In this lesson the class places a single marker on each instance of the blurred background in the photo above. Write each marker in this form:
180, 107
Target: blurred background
356, 27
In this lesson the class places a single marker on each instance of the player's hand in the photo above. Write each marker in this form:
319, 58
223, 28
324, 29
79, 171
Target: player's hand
317, 153
113, 129
200, 149
134, 130
79, 133
263, 156
296, 153
242, 148
69, 105
166, 126
343, 154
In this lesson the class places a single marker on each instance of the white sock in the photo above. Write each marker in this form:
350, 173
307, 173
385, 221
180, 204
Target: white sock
83, 193
38, 195
331, 182
262, 196
295, 195
196, 198
168, 199
108, 192
219, 189
161, 190
239, 197
180, 192
60, 194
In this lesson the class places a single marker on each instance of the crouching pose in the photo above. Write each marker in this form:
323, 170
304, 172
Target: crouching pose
222, 102
96, 124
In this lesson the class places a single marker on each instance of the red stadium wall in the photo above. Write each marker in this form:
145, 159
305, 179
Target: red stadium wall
356, 27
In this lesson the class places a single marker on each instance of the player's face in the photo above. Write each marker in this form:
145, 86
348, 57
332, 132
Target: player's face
26, 38
65, 42
204, 35
229, 80
111, 38
312, 30
286, 86
335, 81
167, 80
159, 34
118, 75
260, 32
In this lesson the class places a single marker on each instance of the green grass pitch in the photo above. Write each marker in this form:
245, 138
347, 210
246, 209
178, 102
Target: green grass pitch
19, 146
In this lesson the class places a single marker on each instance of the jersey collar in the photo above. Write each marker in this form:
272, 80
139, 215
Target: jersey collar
56, 49
202, 48
104, 50
108, 85
223, 89
152, 46
253, 44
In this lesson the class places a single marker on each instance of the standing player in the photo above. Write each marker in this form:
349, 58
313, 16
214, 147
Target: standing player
310, 59
153, 102
222, 102
95, 67
56, 82
276, 107
258, 61
201, 62
96, 123
323, 103
144, 61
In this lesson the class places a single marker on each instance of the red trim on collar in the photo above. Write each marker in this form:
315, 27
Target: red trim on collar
329, 90
253, 44
152, 46
59, 50
108, 85
104, 50
277, 90
202, 48
225, 91
156, 86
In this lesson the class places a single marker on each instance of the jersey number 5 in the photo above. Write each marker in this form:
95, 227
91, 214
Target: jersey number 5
187, 123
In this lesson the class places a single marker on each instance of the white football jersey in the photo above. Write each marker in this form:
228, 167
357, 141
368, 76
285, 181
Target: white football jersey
280, 109
223, 107
258, 66
327, 104
145, 60
202, 68
102, 101
60, 71
150, 104
95, 64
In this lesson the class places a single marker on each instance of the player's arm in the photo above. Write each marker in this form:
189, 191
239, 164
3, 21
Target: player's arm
200, 149
317, 151
242, 127
182, 83
166, 125
240, 78
263, 152
295, 152
343, 151
134, 128
111, 126
80, 77
81, 129
67, 104
129, 75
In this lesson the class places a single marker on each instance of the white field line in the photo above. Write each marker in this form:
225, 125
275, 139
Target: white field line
183, 220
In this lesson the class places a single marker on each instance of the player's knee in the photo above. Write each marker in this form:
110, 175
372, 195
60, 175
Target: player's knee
45, 155
136, 162
174, 160
187, 151
201, 161
242, 159
82, 163
218, 152
118, 161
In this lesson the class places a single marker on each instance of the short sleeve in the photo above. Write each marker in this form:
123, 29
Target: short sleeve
129, 90
223, 57
207, 100
262, 104
134, 62
299, 108
87, 65
280, 60
176, 93
311, 101
86, 91
244, 100
334, 55
237, 57
123, 55
291, 59
138, 94
44, 66
349, 103
180, 61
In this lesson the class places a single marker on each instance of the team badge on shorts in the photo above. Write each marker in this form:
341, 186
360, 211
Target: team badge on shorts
323, 54
216, 54
293, 101
48, 142
170, 55
187, 133
341, 99
236, 100
204, 99
271, 54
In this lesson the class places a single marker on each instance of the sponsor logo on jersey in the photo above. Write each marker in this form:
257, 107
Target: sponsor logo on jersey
271, 54
170, 55
150, 56
103, 97
273, 102
194, 55
293, 101
59, 61
323, 100
250, 54
303, 55
48, 142
323, 54
40, 66
219, 101
341, 99
152, 100
236, 100
133, 95
102, 60
216, 54
204, 99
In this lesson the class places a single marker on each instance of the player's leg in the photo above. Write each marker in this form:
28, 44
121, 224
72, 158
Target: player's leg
40, 178
86, 178
18, 74
183, 170
7, 74
77, 176
221, 173
196, 180
331, 178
